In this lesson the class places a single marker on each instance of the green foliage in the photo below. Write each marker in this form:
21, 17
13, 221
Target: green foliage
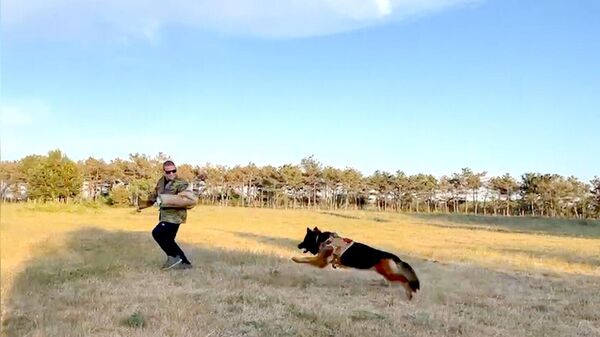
135, 320
119, 196
595, 196
54, 177
308, 184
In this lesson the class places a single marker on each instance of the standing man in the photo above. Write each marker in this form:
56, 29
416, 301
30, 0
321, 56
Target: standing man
170, 218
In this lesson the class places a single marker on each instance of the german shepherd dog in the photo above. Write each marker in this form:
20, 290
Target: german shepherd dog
329, 248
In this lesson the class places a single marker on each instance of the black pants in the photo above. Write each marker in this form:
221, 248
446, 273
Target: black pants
164, 233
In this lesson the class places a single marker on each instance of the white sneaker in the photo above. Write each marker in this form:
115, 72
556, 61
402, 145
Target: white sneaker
171, 262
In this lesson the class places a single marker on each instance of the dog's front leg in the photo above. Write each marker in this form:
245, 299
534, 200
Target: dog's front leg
321, 260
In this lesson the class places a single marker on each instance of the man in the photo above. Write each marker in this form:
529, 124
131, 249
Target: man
170, 218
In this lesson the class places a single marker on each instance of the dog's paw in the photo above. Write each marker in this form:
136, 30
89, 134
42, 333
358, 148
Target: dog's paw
409, 293
380, 283
295, 259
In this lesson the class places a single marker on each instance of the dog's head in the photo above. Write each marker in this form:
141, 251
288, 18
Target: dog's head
312, 240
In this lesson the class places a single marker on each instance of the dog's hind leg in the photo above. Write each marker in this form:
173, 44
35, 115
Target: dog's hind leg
388, 269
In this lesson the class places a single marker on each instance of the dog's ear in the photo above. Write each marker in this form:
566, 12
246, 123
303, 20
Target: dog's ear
316, 229
308, 230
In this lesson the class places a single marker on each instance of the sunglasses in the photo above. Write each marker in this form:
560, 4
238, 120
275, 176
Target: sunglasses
172, 171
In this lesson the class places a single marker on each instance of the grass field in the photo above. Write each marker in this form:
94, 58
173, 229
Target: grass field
78, 271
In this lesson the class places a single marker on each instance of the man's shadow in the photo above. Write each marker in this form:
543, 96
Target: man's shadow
63, 284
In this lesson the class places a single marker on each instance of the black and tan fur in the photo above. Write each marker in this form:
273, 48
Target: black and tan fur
329, 248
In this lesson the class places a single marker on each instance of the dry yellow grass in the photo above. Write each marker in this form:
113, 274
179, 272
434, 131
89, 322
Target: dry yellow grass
84, 272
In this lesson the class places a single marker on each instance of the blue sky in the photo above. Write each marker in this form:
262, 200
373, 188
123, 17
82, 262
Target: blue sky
419, 86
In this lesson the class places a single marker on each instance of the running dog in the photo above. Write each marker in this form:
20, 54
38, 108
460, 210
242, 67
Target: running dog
330, 248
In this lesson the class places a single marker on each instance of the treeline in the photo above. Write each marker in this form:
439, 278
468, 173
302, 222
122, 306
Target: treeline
308, 184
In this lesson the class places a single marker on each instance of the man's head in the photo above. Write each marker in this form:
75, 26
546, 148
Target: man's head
169, 170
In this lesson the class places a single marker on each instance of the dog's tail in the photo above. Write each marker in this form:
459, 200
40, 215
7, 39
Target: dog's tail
408, 272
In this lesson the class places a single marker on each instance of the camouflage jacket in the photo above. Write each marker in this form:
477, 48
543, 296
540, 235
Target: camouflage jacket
169, 214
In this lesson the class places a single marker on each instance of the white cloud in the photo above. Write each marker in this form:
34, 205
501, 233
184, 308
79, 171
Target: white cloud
265, 18
384, 7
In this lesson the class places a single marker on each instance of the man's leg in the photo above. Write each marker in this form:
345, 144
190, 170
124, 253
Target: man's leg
163, 235
159, 233
171, 230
